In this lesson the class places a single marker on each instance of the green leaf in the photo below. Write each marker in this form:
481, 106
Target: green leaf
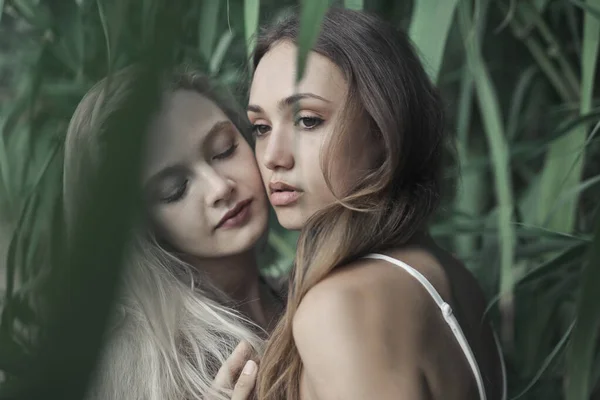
251, 17
13, 358
564, 162
112, 25
311, 17
220, 51
1, 9
498, 146
556, 352
541, 4
354, 4
518, 99
36, 14
587, 8
429, 29
582, 347
576, 191
279, 243
207, 26
572, 255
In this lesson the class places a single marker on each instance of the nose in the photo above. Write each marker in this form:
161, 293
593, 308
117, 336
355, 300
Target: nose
219, 188
278, 151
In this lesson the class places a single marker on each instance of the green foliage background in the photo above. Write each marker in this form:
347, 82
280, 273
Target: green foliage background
518, 78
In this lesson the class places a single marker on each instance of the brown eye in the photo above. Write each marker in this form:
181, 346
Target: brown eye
308, 122
260, 130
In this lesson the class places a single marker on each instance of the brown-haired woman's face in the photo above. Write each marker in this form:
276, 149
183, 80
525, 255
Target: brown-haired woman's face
201, 179
291, 128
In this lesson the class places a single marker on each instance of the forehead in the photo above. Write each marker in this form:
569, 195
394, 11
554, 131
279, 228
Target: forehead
275, 76
184, 119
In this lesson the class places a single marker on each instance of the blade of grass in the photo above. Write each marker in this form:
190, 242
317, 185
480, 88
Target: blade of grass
576, 191
1, 9
518, 99
4, 166
468, 198
251, 17
582, 348
573, 21
541, 4
282, 246
104, 23
583, 344
564, 162
533, 16
556, 352
471, 194
559, 264
207, 26
220, 52
572, 192
311, 17
588, 8
354, 4
521, 31
492, 120
429, 29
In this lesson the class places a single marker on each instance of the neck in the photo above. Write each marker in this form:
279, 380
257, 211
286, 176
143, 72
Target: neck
238, 277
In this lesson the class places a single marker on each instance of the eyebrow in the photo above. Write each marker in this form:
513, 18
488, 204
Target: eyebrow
289, 101
216, 128
177, 168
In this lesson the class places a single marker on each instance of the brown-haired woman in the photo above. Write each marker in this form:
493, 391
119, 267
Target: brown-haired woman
352, 157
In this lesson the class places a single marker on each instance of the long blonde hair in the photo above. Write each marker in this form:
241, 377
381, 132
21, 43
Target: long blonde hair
393, 200
171, 329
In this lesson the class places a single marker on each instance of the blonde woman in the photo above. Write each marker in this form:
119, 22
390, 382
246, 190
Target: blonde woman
191, 290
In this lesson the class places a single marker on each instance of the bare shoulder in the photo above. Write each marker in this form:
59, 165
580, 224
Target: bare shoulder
358, 338
375, 322
376, 287
372, 298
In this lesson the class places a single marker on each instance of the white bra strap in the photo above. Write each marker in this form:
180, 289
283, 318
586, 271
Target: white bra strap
446, 312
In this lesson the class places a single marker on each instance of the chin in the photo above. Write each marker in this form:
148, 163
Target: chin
290, 219
247, 238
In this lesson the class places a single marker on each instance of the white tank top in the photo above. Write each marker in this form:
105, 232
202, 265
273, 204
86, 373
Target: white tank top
452, 322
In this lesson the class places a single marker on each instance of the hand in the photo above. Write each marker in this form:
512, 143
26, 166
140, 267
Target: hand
229, 372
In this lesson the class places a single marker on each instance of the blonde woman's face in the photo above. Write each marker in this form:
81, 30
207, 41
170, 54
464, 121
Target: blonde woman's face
292, 127
201, 179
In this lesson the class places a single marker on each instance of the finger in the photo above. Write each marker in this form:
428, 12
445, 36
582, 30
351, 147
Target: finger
232, 366
245, 383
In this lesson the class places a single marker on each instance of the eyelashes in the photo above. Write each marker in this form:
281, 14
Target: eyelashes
306, 123
176, 192
227, 153
174, 187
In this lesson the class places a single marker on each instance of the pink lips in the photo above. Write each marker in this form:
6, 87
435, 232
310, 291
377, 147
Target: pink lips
237, 216
283, 194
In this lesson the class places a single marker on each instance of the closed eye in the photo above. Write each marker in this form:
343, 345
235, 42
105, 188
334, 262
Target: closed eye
176, 193
227, 153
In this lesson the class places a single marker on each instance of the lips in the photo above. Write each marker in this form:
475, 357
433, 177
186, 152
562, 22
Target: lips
237, 216
283, 194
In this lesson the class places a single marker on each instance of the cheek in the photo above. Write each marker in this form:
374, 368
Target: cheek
309, 161
258, 157
247, 170
179, 224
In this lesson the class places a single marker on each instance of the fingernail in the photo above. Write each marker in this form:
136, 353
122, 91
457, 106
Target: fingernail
249, 367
